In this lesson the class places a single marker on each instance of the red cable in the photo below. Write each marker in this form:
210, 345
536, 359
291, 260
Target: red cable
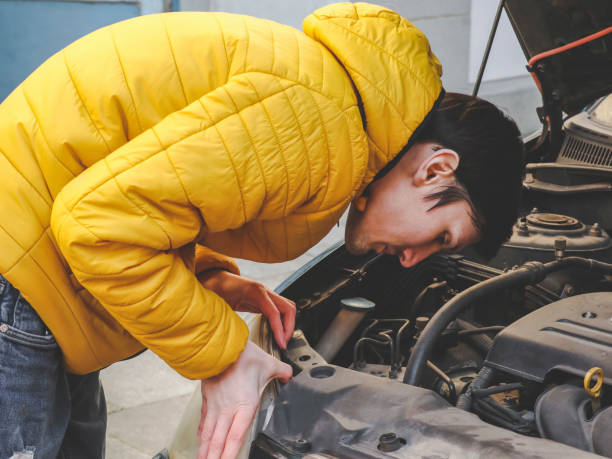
563, 48
571, 45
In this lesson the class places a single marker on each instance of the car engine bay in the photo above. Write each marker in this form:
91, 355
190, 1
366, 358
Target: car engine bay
505, 358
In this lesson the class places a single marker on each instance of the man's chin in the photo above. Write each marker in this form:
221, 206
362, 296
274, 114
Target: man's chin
355, 241
354, 249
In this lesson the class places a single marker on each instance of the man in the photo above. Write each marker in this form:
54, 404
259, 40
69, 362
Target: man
139, 158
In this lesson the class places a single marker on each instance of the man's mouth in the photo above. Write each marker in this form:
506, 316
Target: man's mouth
385, 249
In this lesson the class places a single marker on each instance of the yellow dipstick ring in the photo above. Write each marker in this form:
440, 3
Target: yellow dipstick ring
594, 391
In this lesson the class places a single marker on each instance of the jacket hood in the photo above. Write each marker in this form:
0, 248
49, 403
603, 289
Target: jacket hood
395, 74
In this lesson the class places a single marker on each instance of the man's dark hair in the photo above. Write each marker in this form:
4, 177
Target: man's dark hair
490, 149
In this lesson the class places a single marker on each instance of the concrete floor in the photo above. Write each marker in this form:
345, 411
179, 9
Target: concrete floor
146, 398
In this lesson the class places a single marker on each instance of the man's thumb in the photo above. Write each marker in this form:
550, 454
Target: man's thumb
283, 371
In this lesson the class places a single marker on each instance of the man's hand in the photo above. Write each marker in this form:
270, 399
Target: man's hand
230, 399
250, 296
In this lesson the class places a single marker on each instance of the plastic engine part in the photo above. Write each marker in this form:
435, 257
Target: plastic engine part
571, 336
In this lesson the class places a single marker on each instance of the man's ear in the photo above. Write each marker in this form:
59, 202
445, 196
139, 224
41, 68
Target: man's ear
439, 166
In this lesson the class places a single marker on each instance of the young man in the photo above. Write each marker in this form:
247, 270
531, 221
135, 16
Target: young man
139, 158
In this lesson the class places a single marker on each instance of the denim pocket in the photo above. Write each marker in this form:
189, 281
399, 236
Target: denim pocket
29, 339
19, 322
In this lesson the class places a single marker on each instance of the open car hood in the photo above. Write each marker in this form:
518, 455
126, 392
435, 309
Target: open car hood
574, 77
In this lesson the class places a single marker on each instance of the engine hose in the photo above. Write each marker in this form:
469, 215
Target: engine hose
485, 377
481, 341
530, 273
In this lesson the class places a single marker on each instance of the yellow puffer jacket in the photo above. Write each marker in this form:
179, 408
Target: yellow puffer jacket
139, 141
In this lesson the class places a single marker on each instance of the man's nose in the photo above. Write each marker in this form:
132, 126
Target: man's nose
410, 257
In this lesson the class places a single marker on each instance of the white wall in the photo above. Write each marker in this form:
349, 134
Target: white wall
458, 32
506, 59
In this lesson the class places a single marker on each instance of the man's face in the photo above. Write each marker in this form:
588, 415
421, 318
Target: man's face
397, 219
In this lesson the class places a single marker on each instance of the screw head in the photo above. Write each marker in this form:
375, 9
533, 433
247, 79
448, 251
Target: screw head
301, 445
389, 442
297, 334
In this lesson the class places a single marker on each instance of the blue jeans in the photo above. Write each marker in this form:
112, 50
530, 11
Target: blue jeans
45, 412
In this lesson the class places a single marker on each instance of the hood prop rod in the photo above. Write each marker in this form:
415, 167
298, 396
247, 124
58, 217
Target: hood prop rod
485, 58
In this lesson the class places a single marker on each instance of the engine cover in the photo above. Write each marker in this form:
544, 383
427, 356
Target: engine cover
332, 412
571, 335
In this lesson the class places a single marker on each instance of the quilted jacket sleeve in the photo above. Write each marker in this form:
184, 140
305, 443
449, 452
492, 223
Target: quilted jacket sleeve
128, 223
206, 258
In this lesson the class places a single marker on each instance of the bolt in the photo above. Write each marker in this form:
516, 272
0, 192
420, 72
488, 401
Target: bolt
559, 246
523, 229
297, 334
389, 442
300, 445
595, 230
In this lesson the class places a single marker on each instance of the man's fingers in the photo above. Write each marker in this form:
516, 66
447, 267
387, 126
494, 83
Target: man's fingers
240, 426
206, 434
202, 417
287, 309
202, 412
217, 442
282, 371
269, 309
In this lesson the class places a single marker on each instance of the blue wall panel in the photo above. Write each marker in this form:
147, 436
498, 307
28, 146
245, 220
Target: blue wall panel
31, 31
